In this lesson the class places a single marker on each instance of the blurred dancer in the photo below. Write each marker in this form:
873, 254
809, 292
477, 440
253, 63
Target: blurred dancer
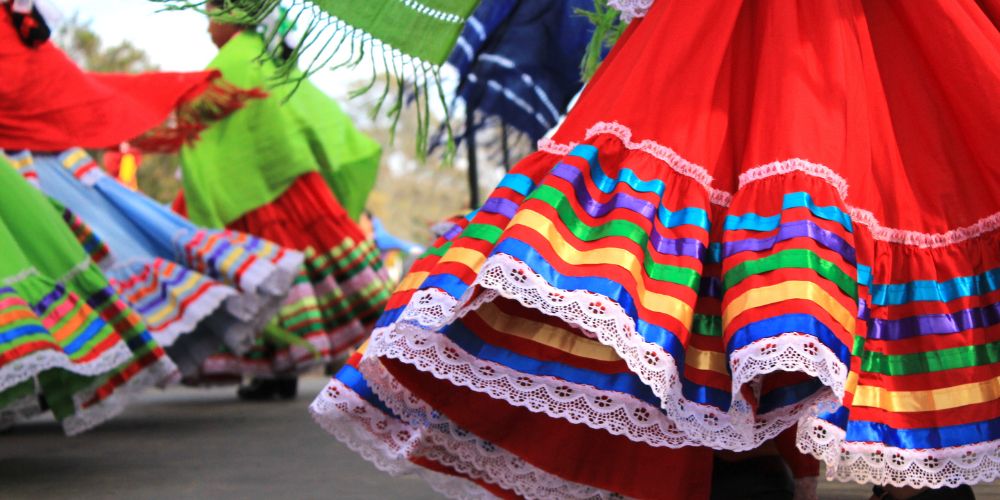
290, 168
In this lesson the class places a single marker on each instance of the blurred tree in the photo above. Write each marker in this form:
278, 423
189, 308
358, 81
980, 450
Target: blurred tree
157, 175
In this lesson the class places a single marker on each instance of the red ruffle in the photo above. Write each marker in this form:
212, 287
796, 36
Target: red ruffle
305, 215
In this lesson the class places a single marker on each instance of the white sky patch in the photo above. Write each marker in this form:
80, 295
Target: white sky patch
174, 40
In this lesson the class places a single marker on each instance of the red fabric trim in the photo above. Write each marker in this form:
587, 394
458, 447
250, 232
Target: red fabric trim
306, 215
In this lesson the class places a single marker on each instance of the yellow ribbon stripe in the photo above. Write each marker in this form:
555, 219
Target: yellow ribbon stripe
789, 290
172, 299
74, 157
412, 281
657, 302
545, 334
928, 400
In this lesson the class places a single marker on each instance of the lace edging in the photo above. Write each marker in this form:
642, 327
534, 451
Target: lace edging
685, 422
467, 453
161, 373
22, 369
719, 197
875, 463
193, 314
631, 9
380, 440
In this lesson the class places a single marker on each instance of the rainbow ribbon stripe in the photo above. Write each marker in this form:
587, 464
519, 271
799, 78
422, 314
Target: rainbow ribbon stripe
706, 284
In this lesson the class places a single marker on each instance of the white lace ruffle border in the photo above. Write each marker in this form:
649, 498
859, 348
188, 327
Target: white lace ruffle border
388, 442
413, 340
876, 463
22, 369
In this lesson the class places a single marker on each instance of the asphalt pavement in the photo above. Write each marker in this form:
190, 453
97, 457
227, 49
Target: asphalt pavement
204, 443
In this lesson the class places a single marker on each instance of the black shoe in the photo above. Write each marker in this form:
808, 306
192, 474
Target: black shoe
287, 388
259, 389
963, 492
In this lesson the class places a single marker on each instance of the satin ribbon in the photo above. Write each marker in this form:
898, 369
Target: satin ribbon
753, 222
790, 290
608, 255
938, 291
545, 334
682, 247
931, 361
794, 259
691, 216
792, 230
929, 400
934, 324
922, 439
663, 303
626, 382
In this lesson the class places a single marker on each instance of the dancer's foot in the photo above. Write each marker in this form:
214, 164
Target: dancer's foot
259, 389
287, 388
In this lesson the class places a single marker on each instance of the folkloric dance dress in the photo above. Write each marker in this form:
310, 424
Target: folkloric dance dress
757, 214
196, 289
68, 341
76, 340
294, 172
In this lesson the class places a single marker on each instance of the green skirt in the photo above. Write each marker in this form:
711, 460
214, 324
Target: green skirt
68, 343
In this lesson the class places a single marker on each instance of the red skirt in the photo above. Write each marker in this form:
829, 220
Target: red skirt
338, 295
756, 212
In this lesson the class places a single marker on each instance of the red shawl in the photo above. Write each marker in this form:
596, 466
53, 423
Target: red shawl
47, 103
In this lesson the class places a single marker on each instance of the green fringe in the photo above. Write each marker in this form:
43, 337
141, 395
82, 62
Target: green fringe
339, 45
608, 27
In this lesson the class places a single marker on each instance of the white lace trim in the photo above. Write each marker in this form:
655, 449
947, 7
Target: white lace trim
685, 423
21, 369
796, 165
380, 439
615, 413
719, 197
631, 9
668, 156
879, 232
466, 452
160, 373
789, 352
885, 465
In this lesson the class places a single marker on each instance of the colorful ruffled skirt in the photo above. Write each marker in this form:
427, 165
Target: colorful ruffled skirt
336, 298
758, 214
197, 290
68, 341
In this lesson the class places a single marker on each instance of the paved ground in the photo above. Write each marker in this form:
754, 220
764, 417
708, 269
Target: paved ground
191, 443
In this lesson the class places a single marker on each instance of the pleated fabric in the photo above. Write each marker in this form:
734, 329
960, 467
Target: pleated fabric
196, 289
336, 297
68, 342
758, 213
